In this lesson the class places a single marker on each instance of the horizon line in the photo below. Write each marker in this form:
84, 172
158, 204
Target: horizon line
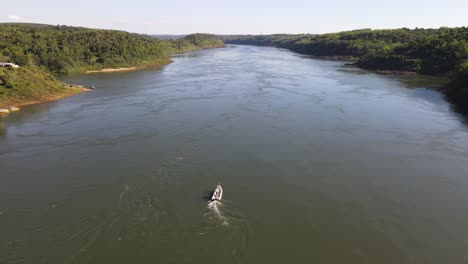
230, 34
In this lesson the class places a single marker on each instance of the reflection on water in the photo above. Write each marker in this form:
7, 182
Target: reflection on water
2, 127
319, 162
406, 80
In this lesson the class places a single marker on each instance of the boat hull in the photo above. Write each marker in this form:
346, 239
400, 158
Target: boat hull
217, 194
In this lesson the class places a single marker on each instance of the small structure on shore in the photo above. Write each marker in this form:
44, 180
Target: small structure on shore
8, 65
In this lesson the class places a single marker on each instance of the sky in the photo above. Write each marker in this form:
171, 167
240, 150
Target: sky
238, 16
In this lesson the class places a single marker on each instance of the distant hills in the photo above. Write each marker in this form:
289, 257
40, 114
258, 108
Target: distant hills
168, 37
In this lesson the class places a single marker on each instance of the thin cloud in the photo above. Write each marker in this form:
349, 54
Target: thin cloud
15, 18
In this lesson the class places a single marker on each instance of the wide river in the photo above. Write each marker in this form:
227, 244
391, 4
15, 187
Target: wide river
320, 163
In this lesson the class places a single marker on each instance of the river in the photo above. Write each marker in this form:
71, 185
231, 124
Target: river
320, 163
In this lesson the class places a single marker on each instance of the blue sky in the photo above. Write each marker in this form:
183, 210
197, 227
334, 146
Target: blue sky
238, 16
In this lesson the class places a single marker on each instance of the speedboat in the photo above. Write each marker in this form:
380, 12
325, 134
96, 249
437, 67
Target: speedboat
218, 193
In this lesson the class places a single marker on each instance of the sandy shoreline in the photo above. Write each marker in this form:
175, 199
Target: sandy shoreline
114, 70
156, 64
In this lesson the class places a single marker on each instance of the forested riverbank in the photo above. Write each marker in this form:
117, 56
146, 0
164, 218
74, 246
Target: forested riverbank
44, 51
441, 51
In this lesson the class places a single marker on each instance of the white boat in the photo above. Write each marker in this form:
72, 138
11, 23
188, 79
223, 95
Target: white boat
218, 193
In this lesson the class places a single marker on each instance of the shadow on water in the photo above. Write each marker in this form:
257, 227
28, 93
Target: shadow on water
2, 127
207, 195
459, 108
417, 81
421, 82
407, 80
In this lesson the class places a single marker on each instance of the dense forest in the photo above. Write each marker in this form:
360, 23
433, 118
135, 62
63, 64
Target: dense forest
63, 49
427, 51
43, 51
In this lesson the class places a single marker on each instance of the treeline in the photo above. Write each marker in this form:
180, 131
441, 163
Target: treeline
64, 49
457, 89
427, 51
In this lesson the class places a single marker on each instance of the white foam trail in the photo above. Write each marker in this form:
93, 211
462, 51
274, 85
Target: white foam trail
213, 205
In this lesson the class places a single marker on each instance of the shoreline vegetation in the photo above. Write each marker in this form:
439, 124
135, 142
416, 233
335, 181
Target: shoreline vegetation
442, 51
44, 52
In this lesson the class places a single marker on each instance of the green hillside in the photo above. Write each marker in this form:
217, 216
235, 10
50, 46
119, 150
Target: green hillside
28, 85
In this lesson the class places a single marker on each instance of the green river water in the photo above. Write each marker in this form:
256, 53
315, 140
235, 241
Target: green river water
320, 163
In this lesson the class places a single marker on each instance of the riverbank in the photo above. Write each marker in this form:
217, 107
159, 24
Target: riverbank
8, 106
142, 66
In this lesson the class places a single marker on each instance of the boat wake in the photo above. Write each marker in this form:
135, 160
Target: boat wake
224, 222
214, 208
